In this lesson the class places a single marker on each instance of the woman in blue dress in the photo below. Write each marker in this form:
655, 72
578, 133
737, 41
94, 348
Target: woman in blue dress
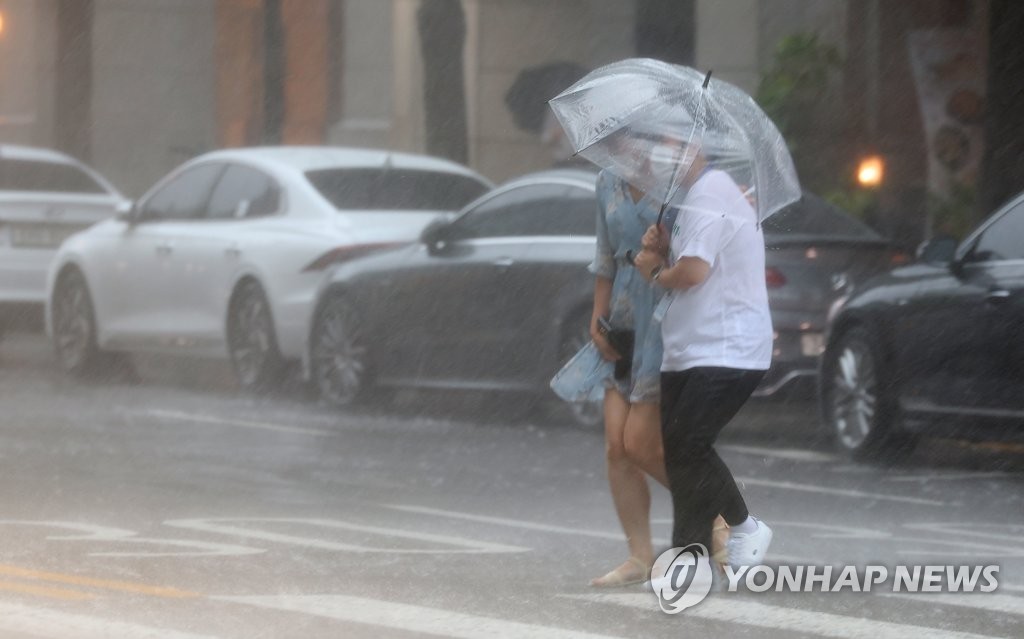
631, 412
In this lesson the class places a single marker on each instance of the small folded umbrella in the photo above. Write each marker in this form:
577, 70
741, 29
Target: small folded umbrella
645, 120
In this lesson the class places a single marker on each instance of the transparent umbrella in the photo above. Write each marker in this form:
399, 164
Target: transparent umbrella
646, 120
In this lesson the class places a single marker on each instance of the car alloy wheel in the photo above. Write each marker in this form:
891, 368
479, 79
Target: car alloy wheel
74, 324
854, 395
251, 339
338, 354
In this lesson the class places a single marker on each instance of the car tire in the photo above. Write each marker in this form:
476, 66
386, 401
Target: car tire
588, 415
252, 343
339, 354
858, 400
74, 326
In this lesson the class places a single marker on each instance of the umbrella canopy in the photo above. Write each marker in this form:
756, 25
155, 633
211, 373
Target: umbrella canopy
534, 86
646, 120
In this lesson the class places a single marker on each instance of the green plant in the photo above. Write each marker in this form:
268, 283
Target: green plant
856, 201
792, 90
953, 214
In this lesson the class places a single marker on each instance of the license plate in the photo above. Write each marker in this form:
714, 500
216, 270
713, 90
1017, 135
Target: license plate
38, 236
812, 344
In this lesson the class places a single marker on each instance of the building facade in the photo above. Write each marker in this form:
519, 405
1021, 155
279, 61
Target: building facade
137, 86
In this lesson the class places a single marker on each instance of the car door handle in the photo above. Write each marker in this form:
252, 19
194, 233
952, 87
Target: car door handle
164, 248
233, 251
504, 262
997, 295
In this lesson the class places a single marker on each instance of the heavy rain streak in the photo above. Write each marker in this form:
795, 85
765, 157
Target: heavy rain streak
510, 318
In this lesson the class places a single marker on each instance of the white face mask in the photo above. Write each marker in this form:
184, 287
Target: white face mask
665, 154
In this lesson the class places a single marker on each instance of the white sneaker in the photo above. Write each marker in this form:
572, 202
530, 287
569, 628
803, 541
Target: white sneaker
749, 550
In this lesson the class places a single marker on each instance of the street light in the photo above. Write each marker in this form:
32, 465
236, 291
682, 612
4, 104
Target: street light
871, 171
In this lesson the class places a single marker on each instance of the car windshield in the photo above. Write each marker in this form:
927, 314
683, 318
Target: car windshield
815, 218
395, 189
47, 177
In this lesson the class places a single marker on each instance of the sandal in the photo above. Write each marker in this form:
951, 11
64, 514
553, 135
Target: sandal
621, 576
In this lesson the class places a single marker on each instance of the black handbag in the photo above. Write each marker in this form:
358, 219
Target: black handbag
622, 340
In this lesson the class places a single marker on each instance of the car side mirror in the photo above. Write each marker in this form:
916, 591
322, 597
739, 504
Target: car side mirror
127, 212
938, 250
435, 236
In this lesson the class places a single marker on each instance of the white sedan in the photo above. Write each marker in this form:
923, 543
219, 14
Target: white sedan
223, 256
45, 196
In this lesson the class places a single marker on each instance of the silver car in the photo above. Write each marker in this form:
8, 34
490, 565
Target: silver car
45, 197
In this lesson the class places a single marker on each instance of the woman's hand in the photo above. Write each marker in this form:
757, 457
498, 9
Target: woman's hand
607, 352
646, 262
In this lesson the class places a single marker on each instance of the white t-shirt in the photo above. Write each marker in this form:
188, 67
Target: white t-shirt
724, 321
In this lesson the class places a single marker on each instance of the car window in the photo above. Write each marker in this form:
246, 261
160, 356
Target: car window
242, 184
49, 177
1003, 239
536, 210
812, 216
395, 189
185, 196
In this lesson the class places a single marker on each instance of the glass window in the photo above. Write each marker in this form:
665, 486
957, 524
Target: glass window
50, 177
537, 210
814, 217
395, 189
185, 196
1003, 240
243, 192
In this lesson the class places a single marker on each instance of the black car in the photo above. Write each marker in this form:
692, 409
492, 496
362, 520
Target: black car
935, 347
501, 297
497, 299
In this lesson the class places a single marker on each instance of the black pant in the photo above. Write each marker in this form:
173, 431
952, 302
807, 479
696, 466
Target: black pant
695, 405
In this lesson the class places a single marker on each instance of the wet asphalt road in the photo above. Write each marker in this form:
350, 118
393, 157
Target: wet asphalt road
176, 507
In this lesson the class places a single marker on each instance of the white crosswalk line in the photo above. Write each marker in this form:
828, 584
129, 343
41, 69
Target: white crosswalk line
41, 622
199, 418
515, 523
419, 619
734, 610
979, 601
791, 454
839, 492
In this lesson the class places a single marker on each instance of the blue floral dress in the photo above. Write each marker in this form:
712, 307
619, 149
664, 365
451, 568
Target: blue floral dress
621, 224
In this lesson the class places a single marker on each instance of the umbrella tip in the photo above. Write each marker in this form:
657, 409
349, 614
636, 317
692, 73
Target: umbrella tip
707, 78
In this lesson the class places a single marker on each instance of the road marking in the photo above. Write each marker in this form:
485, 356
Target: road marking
515, 523
226, 526
417, 619
980, 601
949, 476
841, 492
825, 624
793, 454
77, 580
240, 423
121, 536
45, 591
38, 622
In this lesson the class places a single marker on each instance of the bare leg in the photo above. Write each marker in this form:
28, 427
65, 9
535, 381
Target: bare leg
642, 440
630, 494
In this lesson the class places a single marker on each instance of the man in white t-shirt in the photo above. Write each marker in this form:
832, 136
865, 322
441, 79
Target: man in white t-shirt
717, 335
